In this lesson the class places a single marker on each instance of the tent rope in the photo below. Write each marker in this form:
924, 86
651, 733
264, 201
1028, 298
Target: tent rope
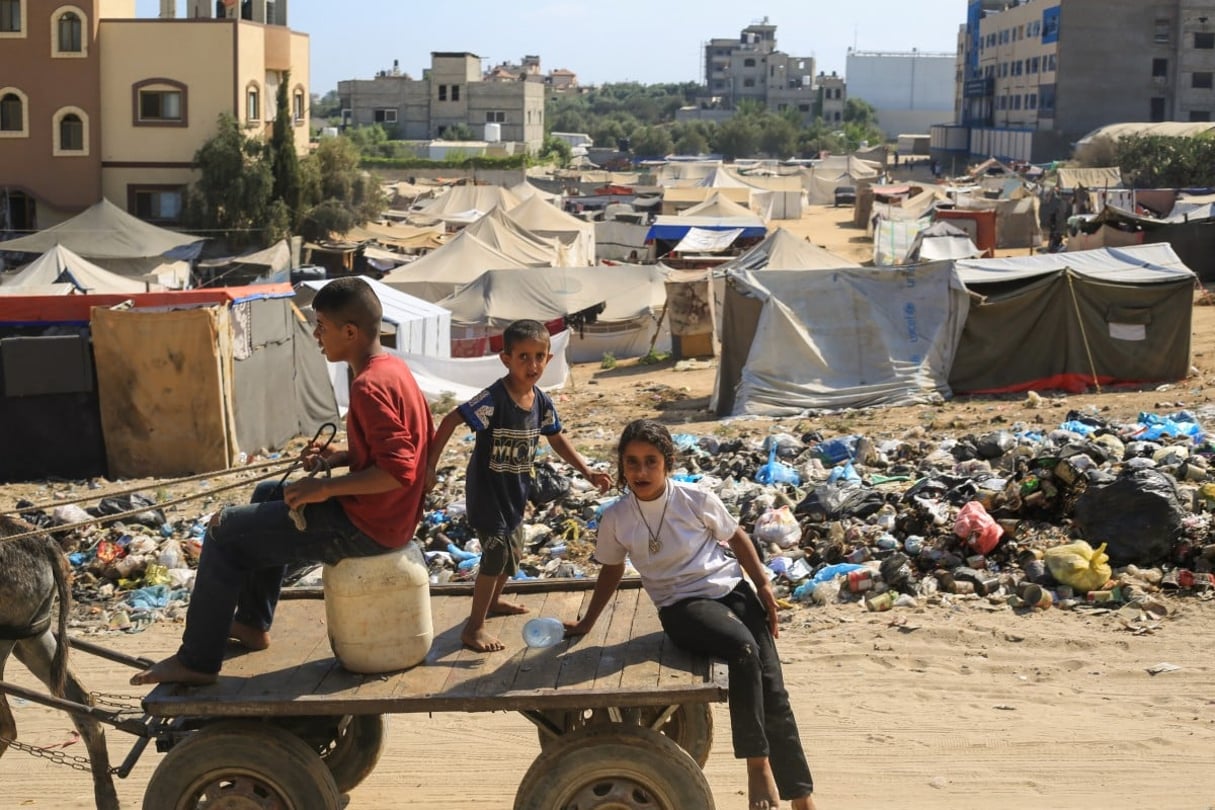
172, 482
99, 521
1071, 286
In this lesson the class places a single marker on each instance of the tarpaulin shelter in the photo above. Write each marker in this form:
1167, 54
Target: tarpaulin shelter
466, 204
173, 383
61, 266
547, 220
782, 250
853, 337
674, 228
676, 200
979, 225
836, 171
414, 238
631, 296
718, 205
941, 241
1073, 320
1016, 219
113, 239
1191, 235
463, 377
439, 273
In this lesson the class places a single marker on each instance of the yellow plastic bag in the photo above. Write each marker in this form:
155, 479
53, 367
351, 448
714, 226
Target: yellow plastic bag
1079, 565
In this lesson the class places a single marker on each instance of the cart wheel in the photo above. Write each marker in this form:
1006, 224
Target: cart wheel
242, 766
349, 745
691, 726
614, 767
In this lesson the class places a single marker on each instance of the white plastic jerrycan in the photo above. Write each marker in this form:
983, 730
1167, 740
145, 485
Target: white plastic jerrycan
377, 611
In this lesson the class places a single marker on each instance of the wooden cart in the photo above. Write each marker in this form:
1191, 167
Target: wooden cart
622, 714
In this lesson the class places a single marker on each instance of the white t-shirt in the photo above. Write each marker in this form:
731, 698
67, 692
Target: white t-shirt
689, 562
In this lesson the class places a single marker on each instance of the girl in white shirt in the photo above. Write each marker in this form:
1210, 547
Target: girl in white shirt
673, 533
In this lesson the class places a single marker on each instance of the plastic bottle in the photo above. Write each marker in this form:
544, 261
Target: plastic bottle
544, 631
171, 555
377, 610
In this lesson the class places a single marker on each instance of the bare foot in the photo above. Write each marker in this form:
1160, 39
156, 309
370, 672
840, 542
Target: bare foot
501, 608
480, 641
249, 637
761, 786
172, 670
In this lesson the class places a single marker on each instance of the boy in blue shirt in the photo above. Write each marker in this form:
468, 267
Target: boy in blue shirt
508, 418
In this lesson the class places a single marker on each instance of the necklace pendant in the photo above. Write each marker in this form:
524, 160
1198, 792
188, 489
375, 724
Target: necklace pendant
655, 545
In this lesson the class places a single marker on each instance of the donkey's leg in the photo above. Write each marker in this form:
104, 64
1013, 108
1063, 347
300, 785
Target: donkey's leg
8, 725
37, 654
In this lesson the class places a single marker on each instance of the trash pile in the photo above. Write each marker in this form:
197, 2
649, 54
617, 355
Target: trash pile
1093, 514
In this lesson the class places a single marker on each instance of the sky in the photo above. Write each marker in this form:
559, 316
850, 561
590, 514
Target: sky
606, 41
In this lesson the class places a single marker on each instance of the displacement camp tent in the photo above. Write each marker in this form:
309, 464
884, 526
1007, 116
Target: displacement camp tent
782, 250
505, 235
718, 205
547, 220
853, 337
439, 273
466, 204
1191, 235
631, 297
1073, 320
184, 381
114, 240
61, 266
941, 241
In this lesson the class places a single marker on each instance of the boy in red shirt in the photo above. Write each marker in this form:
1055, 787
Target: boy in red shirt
370, 510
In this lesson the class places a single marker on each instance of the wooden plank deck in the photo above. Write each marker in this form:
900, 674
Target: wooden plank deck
624, 661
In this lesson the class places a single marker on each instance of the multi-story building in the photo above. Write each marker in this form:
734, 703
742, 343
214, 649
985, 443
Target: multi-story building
1037, 75
910, 91
832, 97
751, 68
96, 102
452, 92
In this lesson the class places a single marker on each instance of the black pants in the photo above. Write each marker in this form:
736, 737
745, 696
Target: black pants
735, 628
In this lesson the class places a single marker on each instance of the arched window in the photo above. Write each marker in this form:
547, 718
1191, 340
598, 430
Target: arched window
253, 102
68, 32
299, 109
71, 132
13, 105
160, 102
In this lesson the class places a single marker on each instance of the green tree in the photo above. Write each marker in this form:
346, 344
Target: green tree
458, 132
691, 142
235, 187
858, 111
331, 176
608, 133
737, 137
556, 150
777, 136
284, 160
750, 108
651, 141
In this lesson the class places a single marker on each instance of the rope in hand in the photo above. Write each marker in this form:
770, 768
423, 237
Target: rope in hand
322, 463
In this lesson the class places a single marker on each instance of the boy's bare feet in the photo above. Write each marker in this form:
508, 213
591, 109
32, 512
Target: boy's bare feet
500, 608
480, 641
249, 637
172, 670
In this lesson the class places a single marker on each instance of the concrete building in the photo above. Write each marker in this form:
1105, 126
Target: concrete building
750, 68
832, 97
99, 103
451, 93
1037, 75
910, 91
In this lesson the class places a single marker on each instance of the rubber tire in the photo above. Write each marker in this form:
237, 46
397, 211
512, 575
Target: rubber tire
691, 726
350, 755
608, 757
272, 757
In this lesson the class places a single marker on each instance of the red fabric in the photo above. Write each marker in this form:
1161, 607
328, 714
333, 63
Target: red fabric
75, 308
1069, 383
388, 426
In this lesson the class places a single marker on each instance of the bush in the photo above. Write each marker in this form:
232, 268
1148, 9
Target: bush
608, 361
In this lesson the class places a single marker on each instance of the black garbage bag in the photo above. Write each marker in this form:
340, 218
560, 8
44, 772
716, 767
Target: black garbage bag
995, 444
35, 517
832, 502
152, 518
1138, 516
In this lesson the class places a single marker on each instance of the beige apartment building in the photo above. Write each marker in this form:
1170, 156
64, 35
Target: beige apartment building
453, 92
751, 68
1034, 76
101, 103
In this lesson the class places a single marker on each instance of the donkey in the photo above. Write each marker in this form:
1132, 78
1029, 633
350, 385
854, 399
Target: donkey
33, 571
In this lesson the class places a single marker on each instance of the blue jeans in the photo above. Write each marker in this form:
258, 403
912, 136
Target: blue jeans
244, 555
735, 627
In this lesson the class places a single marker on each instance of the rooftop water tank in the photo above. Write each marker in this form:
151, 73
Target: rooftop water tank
493, 133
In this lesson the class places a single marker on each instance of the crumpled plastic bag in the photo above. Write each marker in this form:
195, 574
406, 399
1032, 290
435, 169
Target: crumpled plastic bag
1139, 516
1079, 565
834, 501
778, 526
777, 472
977, 528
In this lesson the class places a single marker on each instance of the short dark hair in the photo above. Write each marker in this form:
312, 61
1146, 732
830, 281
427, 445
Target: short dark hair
351, 300
650, 432
522, 330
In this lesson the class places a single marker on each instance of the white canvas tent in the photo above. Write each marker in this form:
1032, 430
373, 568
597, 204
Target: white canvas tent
829, 339
439, 273
717, 205
782, 250
60, 266
941, 241
834, 171
505, 235
114, 240
544, 219
632, 297
467, 203
464, 377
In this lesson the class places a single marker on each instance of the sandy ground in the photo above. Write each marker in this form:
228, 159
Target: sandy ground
940, 708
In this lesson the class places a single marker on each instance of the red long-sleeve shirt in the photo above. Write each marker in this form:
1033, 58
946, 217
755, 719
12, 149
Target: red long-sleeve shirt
388, 425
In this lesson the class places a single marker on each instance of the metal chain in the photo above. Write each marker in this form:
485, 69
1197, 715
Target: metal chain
117, 701
57, 757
